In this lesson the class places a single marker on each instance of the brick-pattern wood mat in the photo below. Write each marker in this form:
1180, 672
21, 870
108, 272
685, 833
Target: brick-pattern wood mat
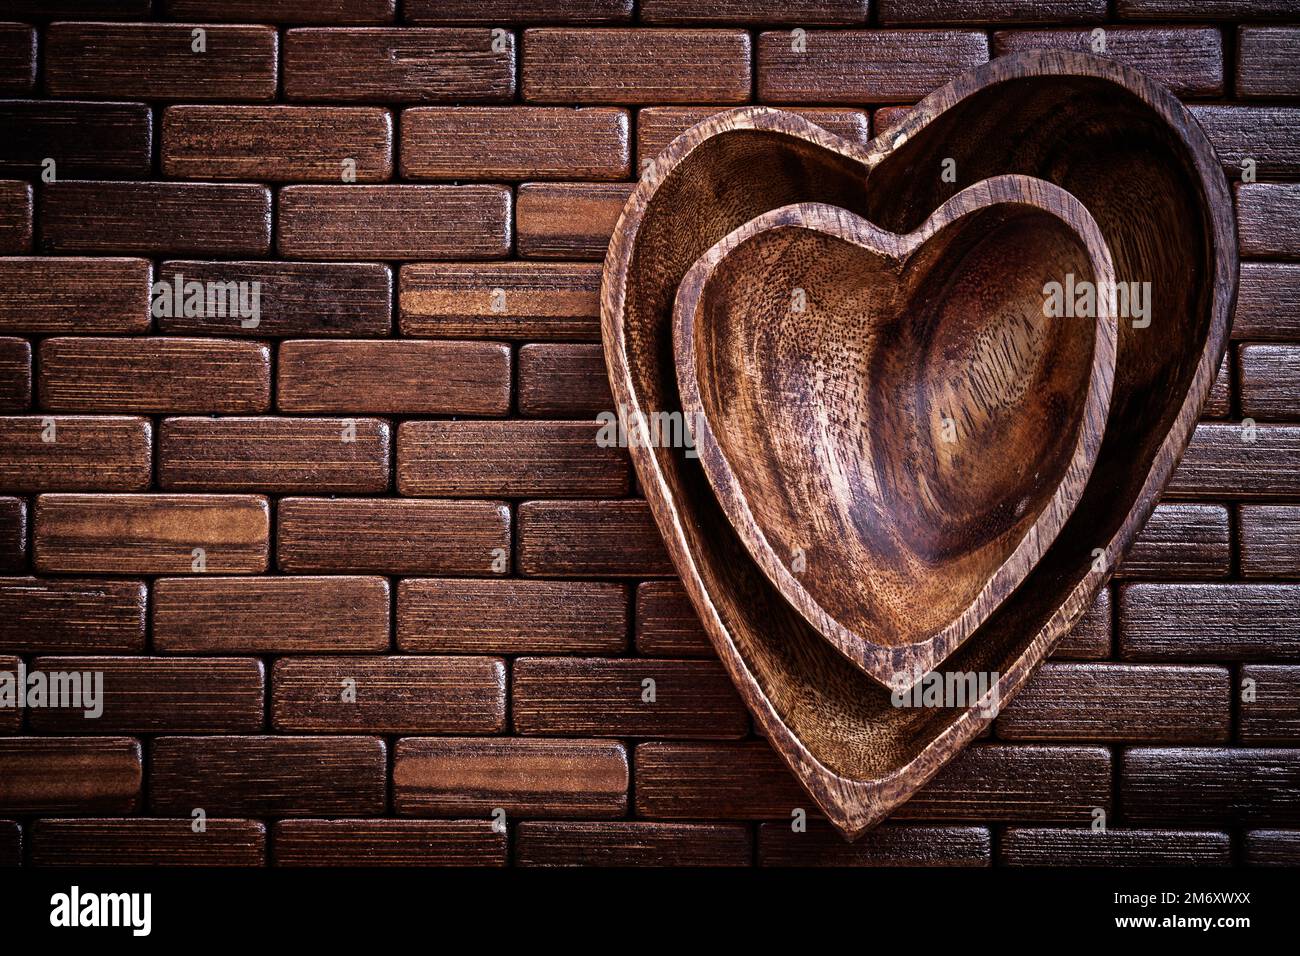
389, 483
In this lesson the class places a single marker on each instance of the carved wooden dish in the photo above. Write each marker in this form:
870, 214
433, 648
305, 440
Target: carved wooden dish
892, 424
1137, 161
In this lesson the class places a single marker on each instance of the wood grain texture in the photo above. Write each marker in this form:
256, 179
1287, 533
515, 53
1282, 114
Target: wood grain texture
990, 11
509, 300
1264, 134
1269, 541
379, 64
1269, 377
157, 61
1204, 9
568, 220
1268, 301
17, 58
600, 697
11, 844
275, 776
69, 774
472, 777
270, 615
863, 66
394, 377
74, 294
148, 842
1219, 402
563, 381
85, 140
1196, 622
1268, 713
77, 615
632, 843
456, 616
755, 12
154, 375
589, 539
389, 695
283, 144
1232, 461
39, 10
1187, 60
388, 843
314, 299
1180, 540
666, 624
1268, 220
16, 214
1266, 59
284, 11
515, 142
1090, 639
160, 695
13, 533
518, 11
657, 126
11, 717
513, 459
15, 374
75, 453
636, 66
151, 533
155, 218
394, 222
393, 536
1116, 703
1273, 847
896, 845
1112, 847
270, 455
1211, 786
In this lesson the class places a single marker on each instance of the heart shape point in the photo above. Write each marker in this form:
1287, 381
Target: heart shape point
892, 424
1137, 161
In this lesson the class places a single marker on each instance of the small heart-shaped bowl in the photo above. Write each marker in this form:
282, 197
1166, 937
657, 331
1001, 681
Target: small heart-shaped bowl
898, 426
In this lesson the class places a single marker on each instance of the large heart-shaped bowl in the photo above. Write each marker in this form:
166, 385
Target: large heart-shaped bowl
1137, 161
897, 427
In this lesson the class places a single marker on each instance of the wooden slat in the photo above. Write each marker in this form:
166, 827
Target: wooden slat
85, 140
657, 126
1273, 848
388, 843
1229, 461
1121, 703
15, 374
515, 142
13, 533
316, 299
275, 776
1269, 537
1219, 402
75, 453
393, 536
15, 216
568, 220
472, 777
155, 218
1188, 60
380, 64
344, 455
1268, 301
17, 58
563, 381
151, 533
666, 624
285, 11
1265, 134
1201, 622
1091, 637
1181, 540
395, 377
44, 294
69, 774
512, 459
37, 10
590, 539
160, 694
154, 375
270, 615
1266, 61
283, 144
514, 300
11, 716
456, 616
1211, 786
389, 695
889, 845
600, 697
1270, 380
632, 843
990, 11
517, 11
636, 66
1268, 704
148, 842
87, 615
863, 66
755, 12
157, 61
1112, 847
394, 222
1204, 9
1268, 220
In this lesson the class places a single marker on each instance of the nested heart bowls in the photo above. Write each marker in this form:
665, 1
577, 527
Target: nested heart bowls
1132, 157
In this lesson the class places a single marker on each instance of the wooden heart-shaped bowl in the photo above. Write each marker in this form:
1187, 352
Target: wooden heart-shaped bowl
1137, 161
893, 424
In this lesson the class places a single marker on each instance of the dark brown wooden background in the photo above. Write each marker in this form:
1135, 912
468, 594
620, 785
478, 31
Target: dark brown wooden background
371, 560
